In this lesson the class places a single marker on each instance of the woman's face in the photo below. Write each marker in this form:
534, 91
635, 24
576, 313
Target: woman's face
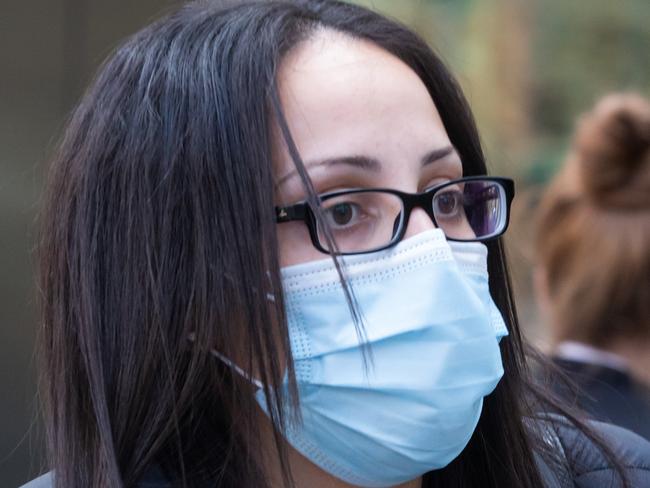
360, 118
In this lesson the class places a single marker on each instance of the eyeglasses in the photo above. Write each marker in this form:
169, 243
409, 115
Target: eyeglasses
474, 208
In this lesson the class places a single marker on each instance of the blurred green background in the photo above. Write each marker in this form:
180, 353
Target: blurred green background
529, 68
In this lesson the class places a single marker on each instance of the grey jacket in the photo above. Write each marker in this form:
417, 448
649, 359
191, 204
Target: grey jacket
585, 467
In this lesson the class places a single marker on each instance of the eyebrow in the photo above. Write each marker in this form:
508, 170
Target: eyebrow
368, 163
436, 154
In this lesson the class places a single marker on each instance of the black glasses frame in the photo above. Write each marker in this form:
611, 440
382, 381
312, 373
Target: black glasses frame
424, 200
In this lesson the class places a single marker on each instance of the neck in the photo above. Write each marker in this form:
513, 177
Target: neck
631, 355
637, 355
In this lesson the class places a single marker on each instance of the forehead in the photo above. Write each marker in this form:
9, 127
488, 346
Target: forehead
350, 96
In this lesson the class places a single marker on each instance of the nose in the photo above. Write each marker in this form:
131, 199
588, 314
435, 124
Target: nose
418, 222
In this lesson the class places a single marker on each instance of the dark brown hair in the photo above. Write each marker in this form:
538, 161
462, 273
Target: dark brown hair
158, 225
593, 228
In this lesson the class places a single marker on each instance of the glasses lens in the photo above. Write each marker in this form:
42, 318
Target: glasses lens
471, 210
361, 222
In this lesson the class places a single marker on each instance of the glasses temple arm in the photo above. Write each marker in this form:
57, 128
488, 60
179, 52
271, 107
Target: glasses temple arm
292, 212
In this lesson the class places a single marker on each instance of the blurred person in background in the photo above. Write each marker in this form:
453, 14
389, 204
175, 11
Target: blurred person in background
593, 263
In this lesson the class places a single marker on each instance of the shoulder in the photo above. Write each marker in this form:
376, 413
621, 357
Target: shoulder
589, 466
44, 481
154, 478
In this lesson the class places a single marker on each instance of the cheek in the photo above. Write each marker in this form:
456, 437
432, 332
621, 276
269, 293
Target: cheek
295, 244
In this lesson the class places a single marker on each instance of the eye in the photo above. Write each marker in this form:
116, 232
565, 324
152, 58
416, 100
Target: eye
448, 203
342, 214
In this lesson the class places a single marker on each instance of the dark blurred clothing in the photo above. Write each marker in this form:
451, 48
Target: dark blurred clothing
608, 392
583, 465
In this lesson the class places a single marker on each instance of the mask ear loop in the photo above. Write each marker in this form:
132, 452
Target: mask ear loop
237, 369
231, 364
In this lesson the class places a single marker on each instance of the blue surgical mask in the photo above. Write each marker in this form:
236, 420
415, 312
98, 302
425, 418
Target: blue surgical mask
432, 330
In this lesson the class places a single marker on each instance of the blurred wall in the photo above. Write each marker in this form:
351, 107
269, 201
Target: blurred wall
48, 52
528, 67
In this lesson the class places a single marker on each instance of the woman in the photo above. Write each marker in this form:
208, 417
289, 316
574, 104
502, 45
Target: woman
593, 275
218, 313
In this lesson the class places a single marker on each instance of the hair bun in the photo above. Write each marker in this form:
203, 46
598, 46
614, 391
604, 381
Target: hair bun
612, 148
